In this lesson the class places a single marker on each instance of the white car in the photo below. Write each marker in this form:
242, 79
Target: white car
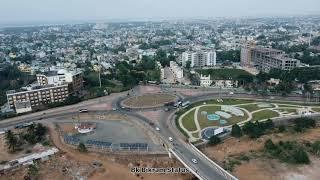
231, 93
170, 139
114, 109
194, 161
158, 129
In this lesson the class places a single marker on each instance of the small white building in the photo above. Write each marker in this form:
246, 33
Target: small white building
205, 81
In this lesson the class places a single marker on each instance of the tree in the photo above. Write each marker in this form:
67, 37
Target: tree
236, 131
82, 147
315, 148
269, 145
214, 140
300, 156
11, 141
188, 64
33, 171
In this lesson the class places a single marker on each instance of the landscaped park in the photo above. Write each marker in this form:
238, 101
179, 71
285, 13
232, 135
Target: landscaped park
200, 120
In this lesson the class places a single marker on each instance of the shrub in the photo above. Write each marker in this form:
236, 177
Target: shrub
300, 124
300, 156
82, 147
315, 148
214, 140
236, 131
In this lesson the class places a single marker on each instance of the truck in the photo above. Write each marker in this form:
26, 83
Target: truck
177, 104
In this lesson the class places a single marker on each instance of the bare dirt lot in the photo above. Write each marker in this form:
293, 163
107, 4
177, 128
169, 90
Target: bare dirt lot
71, 164
258, 167
148, 100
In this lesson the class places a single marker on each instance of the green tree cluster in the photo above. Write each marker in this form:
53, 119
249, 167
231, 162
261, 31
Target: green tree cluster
257, 129
289, 151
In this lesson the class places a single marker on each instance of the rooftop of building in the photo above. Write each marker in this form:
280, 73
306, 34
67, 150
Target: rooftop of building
34, 86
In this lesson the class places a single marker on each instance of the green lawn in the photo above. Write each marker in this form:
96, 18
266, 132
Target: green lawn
224, 73
228, 101
264, 114
250, 107
188, 121
204, 122
316, 109
288, 110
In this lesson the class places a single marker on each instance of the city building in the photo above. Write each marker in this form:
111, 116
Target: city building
36, 96
199, 58
246, 54
265, 59
75, 78
207, 81
177, 70
159, 66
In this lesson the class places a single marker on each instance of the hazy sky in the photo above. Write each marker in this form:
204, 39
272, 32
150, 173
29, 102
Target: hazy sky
65, 10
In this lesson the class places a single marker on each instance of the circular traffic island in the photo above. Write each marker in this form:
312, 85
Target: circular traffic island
148, 100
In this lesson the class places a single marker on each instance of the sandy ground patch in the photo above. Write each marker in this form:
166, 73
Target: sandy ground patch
262, 168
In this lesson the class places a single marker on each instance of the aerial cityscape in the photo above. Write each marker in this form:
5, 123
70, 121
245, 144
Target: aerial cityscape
159, 90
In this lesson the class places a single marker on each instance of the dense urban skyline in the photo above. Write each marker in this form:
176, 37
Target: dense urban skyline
15, 11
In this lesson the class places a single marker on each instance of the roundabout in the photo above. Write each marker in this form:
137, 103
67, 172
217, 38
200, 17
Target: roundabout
148, 100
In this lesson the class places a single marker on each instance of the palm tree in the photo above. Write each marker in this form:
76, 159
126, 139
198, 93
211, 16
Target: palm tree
11, 141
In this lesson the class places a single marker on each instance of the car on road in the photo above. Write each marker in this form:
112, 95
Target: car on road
157, 128
231, 93
114, 109
83, 110
170, 139
194, 161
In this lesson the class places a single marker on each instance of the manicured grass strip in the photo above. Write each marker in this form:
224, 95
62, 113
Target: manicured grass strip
264, 114
188, 121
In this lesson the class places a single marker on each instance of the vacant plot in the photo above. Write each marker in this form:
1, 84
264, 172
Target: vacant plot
264, 114
148, 100
188, 121
245, 157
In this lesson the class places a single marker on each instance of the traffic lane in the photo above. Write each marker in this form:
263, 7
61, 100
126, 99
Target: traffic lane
202, 167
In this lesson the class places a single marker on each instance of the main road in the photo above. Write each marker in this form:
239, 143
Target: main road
204, 169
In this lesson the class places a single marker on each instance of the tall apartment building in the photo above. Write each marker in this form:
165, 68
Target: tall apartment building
74, 78
265, 59
199, 58
246, 54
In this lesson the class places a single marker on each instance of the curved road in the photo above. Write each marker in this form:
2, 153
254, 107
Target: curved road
204, 169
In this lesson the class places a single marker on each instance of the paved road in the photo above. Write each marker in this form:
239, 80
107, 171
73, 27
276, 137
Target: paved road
204, 168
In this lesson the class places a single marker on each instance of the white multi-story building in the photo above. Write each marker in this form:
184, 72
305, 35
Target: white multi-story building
159, 66
62, 76
199, 58
177, 70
